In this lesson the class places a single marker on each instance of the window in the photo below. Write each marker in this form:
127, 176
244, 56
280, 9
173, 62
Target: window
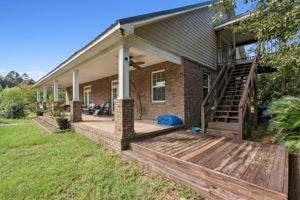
206, 84
87, 95
158, 86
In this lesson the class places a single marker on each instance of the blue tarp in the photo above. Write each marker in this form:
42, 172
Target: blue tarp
169, 120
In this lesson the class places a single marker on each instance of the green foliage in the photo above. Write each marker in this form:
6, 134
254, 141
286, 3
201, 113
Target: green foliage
293, 144
13, 79
13, 111
11, 95
286, 121
25, 95
268, 88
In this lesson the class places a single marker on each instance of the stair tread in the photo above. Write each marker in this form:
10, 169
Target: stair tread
229, 100
228, 106
232, 95
228, 110
225, 117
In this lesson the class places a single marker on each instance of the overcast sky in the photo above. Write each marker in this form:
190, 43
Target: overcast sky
37, 35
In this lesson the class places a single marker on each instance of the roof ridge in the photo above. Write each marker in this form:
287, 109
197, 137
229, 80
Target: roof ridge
163, 12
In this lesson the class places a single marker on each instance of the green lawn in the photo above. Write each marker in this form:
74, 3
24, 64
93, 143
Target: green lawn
9, 121
38, 165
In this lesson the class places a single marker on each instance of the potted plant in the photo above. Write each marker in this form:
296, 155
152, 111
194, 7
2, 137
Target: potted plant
39, 112
61, 119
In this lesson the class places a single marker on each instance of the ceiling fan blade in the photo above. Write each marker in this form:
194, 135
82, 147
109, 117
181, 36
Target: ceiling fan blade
137, 56
139, 63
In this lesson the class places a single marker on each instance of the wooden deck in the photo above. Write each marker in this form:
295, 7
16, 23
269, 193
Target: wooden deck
246, 170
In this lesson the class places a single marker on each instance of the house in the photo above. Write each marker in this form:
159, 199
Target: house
173, 62
177, 52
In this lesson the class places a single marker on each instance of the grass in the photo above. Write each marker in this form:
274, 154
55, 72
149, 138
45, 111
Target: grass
38, 165
10, 121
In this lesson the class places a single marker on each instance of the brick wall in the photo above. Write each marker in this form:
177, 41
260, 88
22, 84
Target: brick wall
101, 90
183, 91
193, 91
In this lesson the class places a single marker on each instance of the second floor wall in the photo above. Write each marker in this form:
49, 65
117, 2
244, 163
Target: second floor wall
190, 35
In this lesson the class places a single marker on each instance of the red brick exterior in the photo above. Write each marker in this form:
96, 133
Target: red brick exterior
101, 91
124, 121
183, 91
75, 111
193, 91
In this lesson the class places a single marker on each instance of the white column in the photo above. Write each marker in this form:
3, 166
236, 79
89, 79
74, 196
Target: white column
45, 92
76, 85
123, 73
38, 95
55, 90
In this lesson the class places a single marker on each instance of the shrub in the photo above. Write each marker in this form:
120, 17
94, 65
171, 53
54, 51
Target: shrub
60, 115
286, 121
14, 111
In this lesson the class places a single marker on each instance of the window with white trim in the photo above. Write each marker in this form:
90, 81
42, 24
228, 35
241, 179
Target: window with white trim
206, 84
158, 85
87, 95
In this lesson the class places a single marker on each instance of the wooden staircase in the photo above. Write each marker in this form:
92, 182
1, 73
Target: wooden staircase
226, 110
225, 116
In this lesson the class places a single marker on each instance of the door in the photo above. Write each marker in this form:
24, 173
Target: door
114, 93
87, 95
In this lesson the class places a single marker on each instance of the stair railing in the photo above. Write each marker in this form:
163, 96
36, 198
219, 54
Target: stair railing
248, 99
212, 100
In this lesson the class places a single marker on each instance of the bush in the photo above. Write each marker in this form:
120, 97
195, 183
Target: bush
286, 122
14, 111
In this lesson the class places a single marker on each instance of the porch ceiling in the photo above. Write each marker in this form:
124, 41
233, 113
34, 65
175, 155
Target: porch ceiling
240, 38
105, 66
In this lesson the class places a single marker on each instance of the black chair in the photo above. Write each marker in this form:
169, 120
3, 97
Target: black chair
104, 109
90, 109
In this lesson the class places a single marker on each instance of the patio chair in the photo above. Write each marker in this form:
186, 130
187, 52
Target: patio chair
104, 109
90, 109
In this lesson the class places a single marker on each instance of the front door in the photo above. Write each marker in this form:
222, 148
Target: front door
114, 93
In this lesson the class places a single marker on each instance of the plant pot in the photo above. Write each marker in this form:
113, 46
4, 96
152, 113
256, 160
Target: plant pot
63, 124
39, 113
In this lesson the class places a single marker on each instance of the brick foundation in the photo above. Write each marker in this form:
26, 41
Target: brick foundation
124, 120
75, 111
105, 138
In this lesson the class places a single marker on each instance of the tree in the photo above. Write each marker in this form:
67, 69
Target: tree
13, 79
275, 25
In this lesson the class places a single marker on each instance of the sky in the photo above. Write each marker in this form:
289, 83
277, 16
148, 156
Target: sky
38, 35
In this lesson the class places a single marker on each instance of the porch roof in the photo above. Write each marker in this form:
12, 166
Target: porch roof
116, 32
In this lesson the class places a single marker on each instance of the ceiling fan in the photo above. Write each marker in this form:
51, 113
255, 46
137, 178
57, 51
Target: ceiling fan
134, 64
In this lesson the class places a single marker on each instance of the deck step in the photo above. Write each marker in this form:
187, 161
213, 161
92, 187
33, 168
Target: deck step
48, 126
223, 126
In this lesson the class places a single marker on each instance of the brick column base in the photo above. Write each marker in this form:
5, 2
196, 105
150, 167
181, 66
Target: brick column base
75, 111
124, 120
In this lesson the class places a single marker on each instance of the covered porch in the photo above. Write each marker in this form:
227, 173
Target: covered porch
108, 66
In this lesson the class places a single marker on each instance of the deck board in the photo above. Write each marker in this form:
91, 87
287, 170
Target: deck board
240, 170
256, 163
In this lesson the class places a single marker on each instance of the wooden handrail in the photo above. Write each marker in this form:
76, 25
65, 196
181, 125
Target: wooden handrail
213, 97
246, 96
